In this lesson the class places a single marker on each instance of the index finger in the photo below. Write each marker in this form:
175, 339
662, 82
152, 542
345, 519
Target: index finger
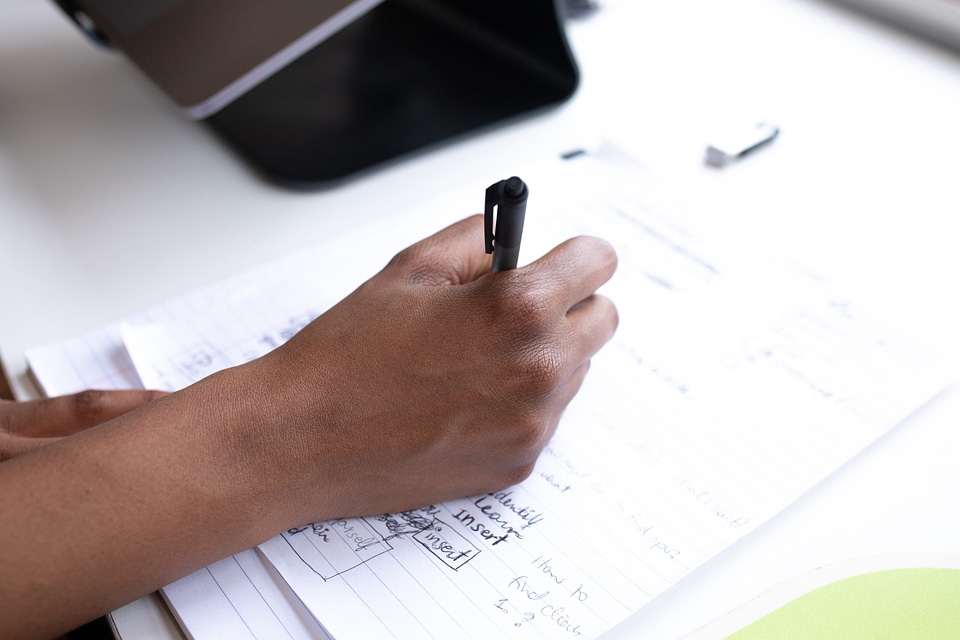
577, 267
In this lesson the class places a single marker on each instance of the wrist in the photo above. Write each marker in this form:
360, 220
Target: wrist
255, 446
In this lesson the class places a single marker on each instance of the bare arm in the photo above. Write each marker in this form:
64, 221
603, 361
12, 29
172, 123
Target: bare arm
434, 371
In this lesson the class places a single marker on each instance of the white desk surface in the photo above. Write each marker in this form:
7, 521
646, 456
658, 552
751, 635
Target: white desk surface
111, 202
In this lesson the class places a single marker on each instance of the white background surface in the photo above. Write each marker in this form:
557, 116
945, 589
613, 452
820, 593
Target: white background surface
110, 202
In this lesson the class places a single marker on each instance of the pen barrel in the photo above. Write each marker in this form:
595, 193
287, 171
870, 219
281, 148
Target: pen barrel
505, 259
510, 217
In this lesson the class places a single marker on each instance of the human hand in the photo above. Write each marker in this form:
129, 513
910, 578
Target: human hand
435, 379
25, 426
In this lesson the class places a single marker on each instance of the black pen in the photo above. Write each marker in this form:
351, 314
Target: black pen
510, 198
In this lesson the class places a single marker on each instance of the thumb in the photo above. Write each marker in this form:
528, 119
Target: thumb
452, 256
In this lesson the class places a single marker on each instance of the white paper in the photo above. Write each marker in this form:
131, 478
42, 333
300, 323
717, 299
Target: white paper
240, 597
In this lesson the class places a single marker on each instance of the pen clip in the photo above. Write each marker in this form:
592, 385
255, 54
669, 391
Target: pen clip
491, 200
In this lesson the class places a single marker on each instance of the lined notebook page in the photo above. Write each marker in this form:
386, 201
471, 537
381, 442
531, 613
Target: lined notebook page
240, 597
737, 380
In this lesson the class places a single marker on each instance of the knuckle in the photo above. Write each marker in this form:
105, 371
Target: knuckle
87, 405
526, 440
530, 307
531, 342
517, 473
543, 369
403, 260
418, 264
526, 312
404, 256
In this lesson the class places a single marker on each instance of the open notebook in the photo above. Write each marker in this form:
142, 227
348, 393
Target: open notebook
737, 380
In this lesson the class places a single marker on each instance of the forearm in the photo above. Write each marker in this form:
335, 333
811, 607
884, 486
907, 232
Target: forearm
108, 515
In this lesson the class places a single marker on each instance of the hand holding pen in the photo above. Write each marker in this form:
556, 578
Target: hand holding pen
433, 380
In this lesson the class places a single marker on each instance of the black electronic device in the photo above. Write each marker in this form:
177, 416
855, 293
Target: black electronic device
315, 91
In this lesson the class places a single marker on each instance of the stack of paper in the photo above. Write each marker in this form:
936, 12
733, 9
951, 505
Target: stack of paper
735, 383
